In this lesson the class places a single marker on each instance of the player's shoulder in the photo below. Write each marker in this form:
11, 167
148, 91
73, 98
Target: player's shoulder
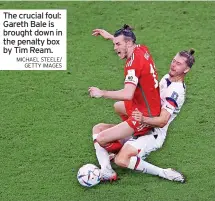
165, 77
180, 87
164, 82
141, 52
140, 49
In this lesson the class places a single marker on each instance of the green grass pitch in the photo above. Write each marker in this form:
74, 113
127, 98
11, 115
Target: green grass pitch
47, 117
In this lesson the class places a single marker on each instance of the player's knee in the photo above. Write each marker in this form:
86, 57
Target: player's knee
121, 161
98, 128
115, 106
101, 139
118, 107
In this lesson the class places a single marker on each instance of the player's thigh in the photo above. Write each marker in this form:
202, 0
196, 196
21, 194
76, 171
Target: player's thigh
101, 127
118, 132
144, 145
139, 128
119, 107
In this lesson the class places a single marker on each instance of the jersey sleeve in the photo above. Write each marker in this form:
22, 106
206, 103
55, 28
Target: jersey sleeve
172, 99
132, 70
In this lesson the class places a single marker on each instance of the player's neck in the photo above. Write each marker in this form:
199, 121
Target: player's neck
176, 79
130, 51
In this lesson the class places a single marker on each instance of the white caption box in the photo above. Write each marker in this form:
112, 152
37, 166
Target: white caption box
33, 39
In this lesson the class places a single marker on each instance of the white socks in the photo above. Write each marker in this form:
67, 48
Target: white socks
137, 163
101, 154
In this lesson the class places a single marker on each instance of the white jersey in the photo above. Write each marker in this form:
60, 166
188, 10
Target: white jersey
172, 98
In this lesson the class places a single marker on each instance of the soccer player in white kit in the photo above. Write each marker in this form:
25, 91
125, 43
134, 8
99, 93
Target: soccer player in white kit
172, 93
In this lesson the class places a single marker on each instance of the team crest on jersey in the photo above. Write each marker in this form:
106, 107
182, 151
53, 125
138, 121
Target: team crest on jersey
174, 96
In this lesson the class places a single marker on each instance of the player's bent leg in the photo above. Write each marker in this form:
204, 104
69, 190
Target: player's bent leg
101, 127
122, 159
112, 147
120, 109
136, 163
107, 173
142, 146
102, 154
120, 131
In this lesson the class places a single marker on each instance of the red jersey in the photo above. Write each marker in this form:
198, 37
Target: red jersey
140, 71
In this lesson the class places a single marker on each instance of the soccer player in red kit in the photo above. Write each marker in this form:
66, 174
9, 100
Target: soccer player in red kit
140, 91
140, 71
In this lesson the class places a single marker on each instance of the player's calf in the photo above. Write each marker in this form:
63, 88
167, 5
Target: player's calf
122, 159
122, 162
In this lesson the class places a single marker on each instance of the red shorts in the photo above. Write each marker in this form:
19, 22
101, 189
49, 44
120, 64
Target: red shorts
139, 129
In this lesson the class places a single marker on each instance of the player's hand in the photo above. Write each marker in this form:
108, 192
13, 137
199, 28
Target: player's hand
137, 115
103, 33
95, 92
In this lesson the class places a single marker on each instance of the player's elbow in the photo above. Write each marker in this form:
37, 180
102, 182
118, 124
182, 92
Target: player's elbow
128, 91
164, 118
128, 95
163, 123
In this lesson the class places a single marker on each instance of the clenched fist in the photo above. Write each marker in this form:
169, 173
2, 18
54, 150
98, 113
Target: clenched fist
95, 92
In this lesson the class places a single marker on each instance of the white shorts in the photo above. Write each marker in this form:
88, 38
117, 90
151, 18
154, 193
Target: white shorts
147, 143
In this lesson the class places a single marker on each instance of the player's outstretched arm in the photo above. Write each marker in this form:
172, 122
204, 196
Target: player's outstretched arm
101, 32
159, 121
124, 94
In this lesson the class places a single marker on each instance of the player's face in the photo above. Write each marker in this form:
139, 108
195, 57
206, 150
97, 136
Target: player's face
120, 46
178, 66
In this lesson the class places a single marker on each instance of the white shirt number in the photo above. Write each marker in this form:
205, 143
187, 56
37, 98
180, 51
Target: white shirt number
152, 71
